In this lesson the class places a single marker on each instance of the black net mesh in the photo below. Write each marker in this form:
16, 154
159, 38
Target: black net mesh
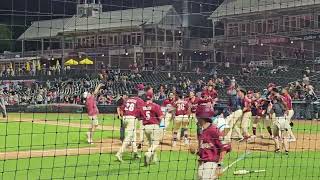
254, 63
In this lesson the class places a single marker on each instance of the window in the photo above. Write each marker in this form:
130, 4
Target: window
259, 27
270, 26
275, 25
111, 40
286, 23
139, 41
293, 23
243, 29
115, 38
248, 28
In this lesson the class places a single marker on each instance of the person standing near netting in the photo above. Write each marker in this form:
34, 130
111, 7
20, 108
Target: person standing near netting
211, 150
3, 105
92, 110
130, 114
151, 115
280, 126
288, 101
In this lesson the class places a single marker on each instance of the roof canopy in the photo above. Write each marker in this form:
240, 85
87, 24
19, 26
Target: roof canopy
239, 7
159, 15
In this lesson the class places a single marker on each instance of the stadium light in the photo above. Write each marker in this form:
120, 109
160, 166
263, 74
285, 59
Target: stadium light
291, 42
163, 53
180, 54
234, 46
102, 55
261, 44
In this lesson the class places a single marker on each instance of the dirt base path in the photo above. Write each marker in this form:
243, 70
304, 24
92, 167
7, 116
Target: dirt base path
65, 124
305, 142
309, 142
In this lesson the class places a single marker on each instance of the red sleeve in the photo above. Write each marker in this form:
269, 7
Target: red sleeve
217, 142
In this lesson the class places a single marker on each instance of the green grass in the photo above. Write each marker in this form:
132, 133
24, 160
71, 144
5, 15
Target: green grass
26, 135
173, 165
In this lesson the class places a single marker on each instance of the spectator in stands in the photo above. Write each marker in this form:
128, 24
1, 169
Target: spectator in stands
306, 79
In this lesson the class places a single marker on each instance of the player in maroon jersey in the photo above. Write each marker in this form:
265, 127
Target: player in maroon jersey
131, 112
212, 93
286, 98
181, 119
211, 149
151, 116
193, 101
167, 109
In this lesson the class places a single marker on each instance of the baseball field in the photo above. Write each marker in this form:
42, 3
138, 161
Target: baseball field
53, 146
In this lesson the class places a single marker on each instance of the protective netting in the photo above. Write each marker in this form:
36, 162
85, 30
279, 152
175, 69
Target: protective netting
177, 83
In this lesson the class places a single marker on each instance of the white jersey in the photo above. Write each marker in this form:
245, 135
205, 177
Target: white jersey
220, 122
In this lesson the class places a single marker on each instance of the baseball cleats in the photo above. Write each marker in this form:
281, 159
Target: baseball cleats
287, 152
136, 156
89, 138
119, 158
186, 141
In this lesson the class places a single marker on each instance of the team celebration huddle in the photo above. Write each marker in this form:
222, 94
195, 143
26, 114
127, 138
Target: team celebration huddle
143, 119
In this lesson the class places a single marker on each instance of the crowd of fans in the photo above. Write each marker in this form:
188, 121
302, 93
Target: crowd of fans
64, 90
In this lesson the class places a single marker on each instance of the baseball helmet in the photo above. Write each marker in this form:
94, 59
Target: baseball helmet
204, 112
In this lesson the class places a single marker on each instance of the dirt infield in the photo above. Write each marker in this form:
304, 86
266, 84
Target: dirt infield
65, 124
305, 142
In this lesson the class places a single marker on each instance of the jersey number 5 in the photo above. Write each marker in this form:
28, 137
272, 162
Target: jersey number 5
148, 115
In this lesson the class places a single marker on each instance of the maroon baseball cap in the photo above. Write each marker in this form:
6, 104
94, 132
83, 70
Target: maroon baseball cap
149, 95
204, 112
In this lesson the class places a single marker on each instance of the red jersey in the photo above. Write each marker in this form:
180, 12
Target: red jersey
168, 104
288, 100
193, 102
132, 106
151, 113
182, 107
213, 93
211, 145
91, 106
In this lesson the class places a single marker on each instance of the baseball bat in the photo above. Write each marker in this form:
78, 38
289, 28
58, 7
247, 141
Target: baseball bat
244, 172
237, 160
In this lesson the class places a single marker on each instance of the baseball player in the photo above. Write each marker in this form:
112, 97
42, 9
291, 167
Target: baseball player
236, 106
93, 111
288, 101
151, 115
131, 112
167, 109
193, 102
258, 113
120, 104
211, 149
280, 124
247, 115
3, 105
181, 119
